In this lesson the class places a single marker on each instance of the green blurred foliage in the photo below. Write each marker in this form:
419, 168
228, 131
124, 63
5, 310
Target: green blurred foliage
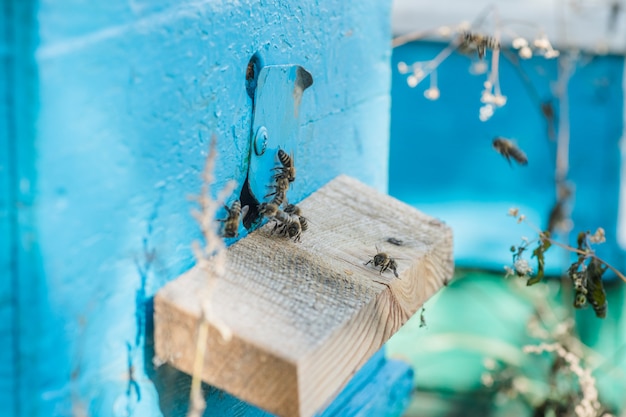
469, 360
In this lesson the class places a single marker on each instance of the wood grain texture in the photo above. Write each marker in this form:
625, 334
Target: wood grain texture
305, 316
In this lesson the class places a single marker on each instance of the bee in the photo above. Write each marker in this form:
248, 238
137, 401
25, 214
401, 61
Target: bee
478, 42
231, 222
293, 209
268, 209
508, 149
280, 191
288, 169
294, 229
385, 262
304, 224
286, 224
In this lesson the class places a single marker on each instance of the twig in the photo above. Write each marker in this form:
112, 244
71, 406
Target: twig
210, 258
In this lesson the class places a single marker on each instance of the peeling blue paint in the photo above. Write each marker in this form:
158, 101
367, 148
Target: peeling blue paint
110, 110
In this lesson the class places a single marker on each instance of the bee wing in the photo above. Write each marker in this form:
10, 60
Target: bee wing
244, 211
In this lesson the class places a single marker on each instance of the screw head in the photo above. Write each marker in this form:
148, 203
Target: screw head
260, 140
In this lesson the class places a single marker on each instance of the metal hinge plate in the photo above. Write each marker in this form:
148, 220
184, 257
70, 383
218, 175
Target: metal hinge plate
275, 122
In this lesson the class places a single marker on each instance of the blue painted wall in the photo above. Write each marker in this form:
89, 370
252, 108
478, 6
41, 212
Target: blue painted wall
7, 230
442, 160
105, 127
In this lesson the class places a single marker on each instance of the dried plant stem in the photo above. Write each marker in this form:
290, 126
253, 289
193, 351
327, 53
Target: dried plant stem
197, 404
591, 255
495, 57
589, 405
211, 258
562, 146
410, 37
572, 249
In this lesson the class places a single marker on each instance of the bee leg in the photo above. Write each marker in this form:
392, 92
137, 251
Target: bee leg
368, 262
481, 50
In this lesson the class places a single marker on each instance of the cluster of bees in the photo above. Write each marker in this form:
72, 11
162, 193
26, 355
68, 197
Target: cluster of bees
288, 221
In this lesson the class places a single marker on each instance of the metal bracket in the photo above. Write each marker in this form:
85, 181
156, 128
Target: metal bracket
275, 122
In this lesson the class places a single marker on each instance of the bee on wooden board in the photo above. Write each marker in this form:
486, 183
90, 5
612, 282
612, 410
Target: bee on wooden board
231, 222
508, 149
293, 209
287, 224
471, 41
287, 169
384, 261
293, 229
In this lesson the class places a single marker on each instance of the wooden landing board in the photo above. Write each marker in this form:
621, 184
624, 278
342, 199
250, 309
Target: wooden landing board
305, 316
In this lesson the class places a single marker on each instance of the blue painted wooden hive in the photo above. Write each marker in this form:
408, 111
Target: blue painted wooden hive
107, 110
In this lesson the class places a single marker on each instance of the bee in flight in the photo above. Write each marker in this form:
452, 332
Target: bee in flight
288, 169
508, 149
471, 41
231, 222
384, 261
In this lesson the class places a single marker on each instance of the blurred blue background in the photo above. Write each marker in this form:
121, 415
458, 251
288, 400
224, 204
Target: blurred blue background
469, 355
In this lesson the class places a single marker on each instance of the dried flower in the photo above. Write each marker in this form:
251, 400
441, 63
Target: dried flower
598, 237
522, 267
444, 31
489, 363
485, 112
525, 52
519, 42
513, 211
542, 43
552, 53
478, 67
486, 379
432, 93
